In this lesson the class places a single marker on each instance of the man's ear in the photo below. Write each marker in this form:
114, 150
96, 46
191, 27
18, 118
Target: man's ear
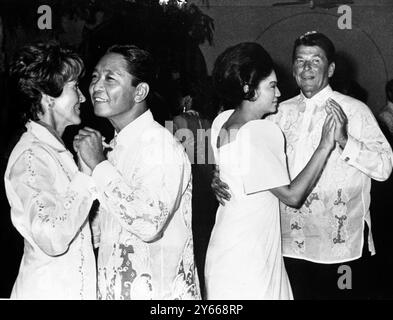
141, 92
331, 69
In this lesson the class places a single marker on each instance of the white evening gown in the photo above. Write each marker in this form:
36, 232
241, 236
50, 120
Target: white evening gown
244, 259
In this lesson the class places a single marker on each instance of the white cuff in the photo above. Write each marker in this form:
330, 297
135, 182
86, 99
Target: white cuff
351, 150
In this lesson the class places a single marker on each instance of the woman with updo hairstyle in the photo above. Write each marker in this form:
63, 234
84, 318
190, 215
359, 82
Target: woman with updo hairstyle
49, 198
244, 259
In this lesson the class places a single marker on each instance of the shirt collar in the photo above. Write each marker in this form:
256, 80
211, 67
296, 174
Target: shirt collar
44, 135
134, 128
320, 98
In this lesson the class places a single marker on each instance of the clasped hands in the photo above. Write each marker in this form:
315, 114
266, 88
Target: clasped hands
88, 145
341, 120
221, 189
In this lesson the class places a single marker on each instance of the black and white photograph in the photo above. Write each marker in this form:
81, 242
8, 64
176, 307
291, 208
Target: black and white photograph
214, 151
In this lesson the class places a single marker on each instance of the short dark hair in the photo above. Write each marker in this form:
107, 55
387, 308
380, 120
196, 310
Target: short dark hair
389, 90
140, 63
43, 68
311, 39
246, 63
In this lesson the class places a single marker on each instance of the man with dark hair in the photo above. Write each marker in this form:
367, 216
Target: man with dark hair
386, 115
315, 39
328, 230
144, 222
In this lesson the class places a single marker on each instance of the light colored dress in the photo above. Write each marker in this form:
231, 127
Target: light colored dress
244, 258
50, 202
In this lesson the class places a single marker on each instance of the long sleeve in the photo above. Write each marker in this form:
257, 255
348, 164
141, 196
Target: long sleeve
144, 200
50, 214
367, 148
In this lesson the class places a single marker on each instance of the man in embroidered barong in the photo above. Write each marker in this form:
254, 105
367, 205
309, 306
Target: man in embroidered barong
143, 226
329, 232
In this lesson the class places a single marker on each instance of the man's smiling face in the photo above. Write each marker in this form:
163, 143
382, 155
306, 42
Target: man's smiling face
311, 69
111, 89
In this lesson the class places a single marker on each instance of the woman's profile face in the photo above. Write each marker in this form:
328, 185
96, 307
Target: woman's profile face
66, 107
267, 95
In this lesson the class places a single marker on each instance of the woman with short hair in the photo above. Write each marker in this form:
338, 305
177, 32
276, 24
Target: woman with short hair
49, 198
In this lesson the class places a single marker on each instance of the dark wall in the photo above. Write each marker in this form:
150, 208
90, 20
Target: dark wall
368, 45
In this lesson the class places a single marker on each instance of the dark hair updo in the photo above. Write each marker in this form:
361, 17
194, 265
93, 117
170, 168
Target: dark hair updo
43, 68
246, 63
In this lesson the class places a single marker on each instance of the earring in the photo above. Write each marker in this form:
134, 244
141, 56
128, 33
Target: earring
246, 88
50, 103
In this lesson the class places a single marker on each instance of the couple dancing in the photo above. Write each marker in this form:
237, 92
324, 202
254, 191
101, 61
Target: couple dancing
244, 258
143, 226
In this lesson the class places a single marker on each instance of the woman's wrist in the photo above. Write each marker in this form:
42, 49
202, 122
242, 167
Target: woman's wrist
325, 148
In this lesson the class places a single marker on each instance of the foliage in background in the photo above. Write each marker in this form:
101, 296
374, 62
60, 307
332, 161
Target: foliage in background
172, 17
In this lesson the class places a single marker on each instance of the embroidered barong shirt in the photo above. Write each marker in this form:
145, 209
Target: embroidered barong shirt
329, 227
144, 223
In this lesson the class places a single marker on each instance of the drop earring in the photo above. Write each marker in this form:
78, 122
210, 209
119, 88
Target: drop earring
246, 88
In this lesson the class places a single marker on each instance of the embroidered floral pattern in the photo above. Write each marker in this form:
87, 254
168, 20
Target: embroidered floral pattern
185, 285
29, 167
147, 216
298, 238
187, 205
142, 287
45, 210
334, 212
109, 285
81, 268
44, 180
145, 224
126, 272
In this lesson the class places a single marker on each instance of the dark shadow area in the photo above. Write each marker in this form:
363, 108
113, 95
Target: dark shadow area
11, 242
286, 83
381, 209
344, 77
